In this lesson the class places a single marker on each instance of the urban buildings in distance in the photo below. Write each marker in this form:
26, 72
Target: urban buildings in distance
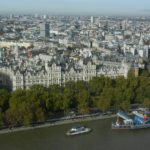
56, 49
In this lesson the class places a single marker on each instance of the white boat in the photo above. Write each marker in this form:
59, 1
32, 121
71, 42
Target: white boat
78, 130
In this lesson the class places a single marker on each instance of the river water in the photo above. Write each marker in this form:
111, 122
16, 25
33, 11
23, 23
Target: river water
54, 138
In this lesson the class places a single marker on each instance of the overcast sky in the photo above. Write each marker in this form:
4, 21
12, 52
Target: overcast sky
77, 7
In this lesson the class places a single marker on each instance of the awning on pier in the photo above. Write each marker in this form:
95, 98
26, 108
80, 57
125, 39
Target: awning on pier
123, 115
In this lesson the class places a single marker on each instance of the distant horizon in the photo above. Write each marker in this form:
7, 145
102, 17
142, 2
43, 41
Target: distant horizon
57, 14
77, 7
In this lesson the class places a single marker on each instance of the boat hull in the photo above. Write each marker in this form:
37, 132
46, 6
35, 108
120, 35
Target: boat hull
131, 127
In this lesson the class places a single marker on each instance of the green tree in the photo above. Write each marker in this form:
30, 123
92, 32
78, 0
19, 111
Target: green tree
66, 98
83, 101
55, 98
4, 100
128, 95
103, 103
40, 115
144, 73
1, 118
38, 97
147, 102
96, 86
125, 105
15, 113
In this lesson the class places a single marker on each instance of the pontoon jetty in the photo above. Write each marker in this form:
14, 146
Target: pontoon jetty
141, 119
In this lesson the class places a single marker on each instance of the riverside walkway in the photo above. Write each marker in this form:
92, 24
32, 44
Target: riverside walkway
58, 121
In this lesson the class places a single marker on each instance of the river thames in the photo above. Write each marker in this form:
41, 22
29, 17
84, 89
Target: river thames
54, 138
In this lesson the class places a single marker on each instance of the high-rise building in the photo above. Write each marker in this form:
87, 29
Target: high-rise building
11, 16
92, 19
44, 16
44, 30
16, 52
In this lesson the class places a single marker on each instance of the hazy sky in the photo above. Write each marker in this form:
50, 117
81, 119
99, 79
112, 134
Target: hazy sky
89, 7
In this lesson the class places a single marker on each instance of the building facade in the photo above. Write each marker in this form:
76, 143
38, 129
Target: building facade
51, 73
44, 30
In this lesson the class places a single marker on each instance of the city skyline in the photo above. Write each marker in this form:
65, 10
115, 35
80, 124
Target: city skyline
77, 7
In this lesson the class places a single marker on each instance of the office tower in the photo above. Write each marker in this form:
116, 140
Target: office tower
44, 16
11, 16
16, 52
92, 19
44, 30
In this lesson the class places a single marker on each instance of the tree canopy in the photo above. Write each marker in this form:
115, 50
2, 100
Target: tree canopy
24, 107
